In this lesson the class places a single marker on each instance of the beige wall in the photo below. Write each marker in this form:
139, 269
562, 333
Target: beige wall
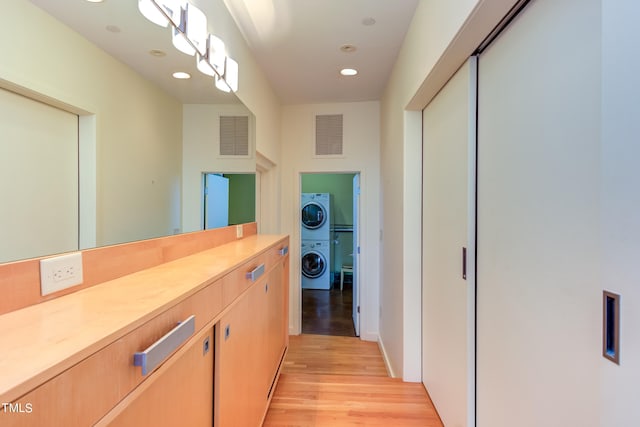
361, 154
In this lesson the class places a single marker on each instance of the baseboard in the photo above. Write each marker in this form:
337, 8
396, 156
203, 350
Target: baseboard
386, 359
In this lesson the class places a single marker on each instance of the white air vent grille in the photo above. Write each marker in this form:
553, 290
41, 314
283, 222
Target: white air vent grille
329, 135
234, 135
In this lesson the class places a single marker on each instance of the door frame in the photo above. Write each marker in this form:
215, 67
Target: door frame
296, 240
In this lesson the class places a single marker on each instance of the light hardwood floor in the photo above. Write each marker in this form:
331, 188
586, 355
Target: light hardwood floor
342, 381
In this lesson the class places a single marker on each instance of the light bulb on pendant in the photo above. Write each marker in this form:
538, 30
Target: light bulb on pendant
222, 85
174, 9
191, 35
229, 80
231, 74
214, 59
151, 11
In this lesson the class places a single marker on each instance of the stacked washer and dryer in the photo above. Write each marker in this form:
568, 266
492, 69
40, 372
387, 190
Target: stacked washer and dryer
315, 225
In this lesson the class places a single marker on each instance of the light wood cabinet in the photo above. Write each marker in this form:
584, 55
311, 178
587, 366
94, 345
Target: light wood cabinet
251, 340
239, 349
242, 318
88, 390
276, 333
179, 393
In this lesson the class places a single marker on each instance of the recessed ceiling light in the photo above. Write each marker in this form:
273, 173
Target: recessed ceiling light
348, 48
157, 53
181, 75
95, 1
348, 72
368, 21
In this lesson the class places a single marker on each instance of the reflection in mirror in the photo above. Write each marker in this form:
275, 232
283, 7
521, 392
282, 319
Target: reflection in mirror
39, 213
138, 128
228, 199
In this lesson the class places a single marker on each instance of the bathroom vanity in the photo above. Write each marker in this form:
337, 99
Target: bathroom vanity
196, 341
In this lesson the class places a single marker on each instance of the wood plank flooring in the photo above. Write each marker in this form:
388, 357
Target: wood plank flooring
342, 381
328, 312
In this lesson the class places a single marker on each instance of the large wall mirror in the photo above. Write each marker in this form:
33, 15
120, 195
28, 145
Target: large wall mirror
99, 143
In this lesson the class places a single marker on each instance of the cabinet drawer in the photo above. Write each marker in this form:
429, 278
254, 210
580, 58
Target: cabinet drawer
86, 392
278, 252
239, 280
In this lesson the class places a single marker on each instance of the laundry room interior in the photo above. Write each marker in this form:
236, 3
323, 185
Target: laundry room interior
327, 250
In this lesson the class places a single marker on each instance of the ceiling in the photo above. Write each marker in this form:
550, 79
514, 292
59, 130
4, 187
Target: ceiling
296, 42
117, 27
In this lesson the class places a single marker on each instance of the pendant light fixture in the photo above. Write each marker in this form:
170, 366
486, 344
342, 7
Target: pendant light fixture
190, 36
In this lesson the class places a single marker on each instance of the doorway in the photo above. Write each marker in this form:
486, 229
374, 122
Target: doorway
329, 253
228, 199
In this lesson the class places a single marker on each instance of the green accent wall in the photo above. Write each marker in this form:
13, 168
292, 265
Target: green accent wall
340, 186
242, 198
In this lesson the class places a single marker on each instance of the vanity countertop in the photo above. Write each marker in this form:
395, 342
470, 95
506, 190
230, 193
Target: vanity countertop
43, 340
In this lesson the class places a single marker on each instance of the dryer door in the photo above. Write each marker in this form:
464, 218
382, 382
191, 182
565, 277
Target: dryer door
314, 264
313, 215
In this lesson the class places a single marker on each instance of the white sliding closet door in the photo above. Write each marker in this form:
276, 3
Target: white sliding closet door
621, 204
539, 302
38, 178
448, 203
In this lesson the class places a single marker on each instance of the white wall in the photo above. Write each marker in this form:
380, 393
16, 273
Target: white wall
433, 27
361, 149
201, 153
620, 201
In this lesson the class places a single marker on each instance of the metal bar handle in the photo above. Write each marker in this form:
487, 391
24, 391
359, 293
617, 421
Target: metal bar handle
157, 352
283, 251
255, 274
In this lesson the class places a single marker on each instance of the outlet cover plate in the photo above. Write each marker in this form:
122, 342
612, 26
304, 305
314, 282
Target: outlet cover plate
61, 272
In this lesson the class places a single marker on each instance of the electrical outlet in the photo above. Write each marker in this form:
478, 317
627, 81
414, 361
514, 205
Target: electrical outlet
239, 231
60, 272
